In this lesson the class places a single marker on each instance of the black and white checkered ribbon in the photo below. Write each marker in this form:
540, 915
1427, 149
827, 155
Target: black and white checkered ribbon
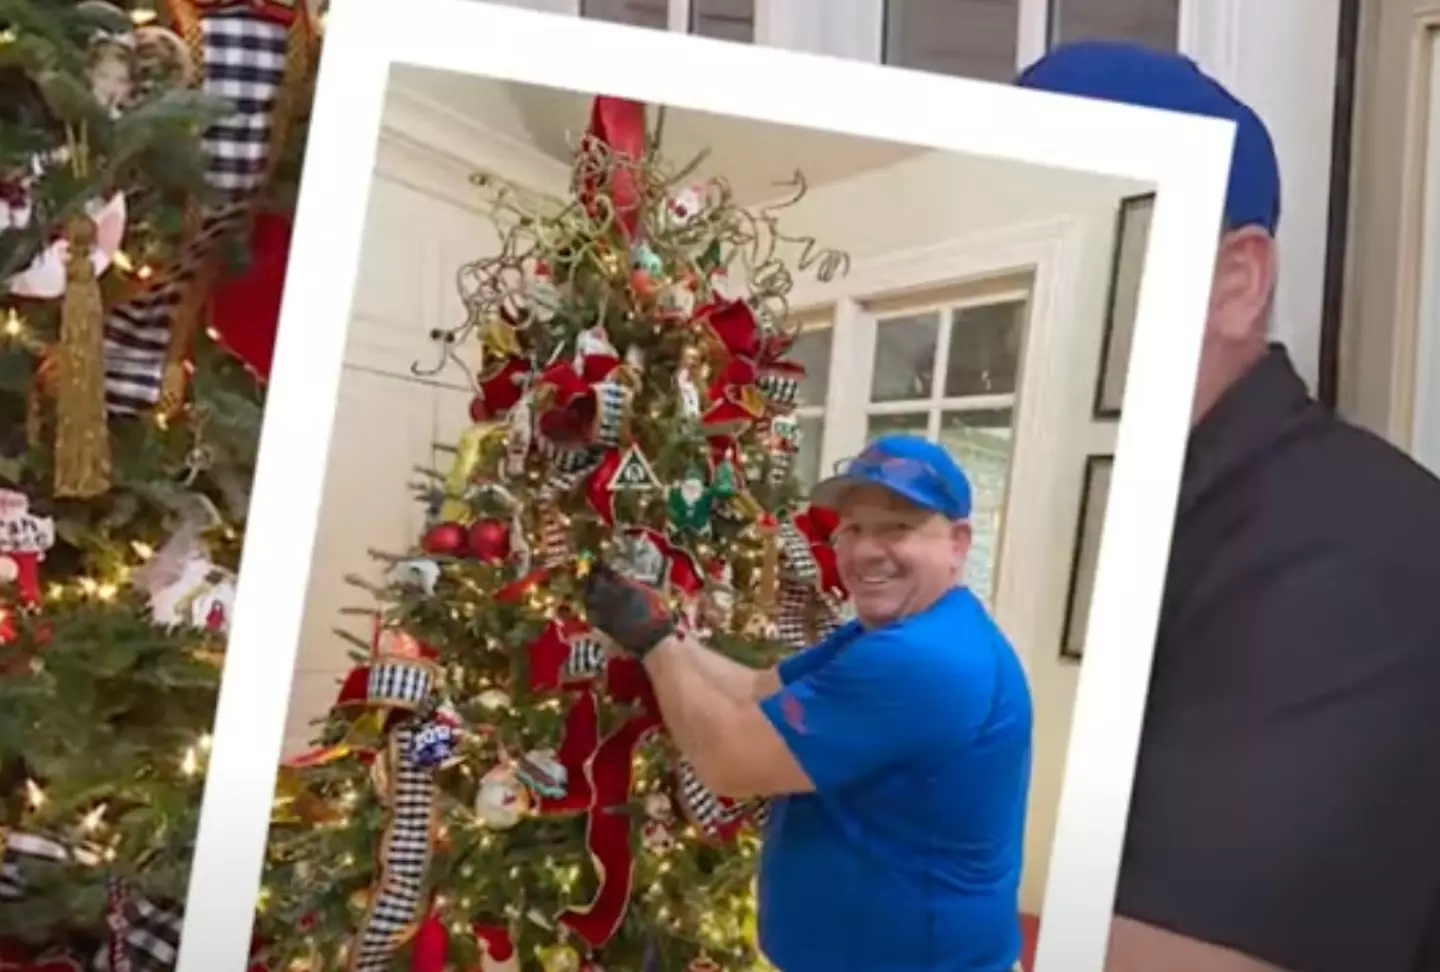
612, 399
701, 805
779, 389
404, 857
244, 63
554, 537
803, 613
149, 939
587, 659
566, 460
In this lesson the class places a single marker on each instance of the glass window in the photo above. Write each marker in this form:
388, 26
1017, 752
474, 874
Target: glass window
975, 346
1154, 23
913, 423
812, 349
638, 13
732, 20
905, 357
980, 441
807, 457
966, 38
984, 354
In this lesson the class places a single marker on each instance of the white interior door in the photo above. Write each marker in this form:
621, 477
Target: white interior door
388, 420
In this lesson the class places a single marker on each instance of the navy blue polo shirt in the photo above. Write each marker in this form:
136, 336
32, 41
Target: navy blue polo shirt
917, 736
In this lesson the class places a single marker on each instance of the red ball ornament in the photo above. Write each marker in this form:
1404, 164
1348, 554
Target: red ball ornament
490, 540
445, 540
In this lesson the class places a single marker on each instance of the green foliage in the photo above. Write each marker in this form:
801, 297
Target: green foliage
54, 115
100, 706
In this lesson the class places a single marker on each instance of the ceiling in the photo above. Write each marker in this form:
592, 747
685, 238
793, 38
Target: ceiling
549, 119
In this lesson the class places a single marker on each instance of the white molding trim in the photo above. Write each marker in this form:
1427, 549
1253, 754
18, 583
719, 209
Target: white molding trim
416, 124
990, 253
677, 16
1032, 32
1210, 34
852, 29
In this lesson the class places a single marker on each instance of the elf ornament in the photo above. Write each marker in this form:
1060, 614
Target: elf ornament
690, 504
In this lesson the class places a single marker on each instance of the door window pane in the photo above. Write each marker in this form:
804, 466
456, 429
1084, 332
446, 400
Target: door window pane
812, 349
732, 20
967, 38
807, 457
984, 349
981, 442
638, 13
1154, 23
905, 357
911, 422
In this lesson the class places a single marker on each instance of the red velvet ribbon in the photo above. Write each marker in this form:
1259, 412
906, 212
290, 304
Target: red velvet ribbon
496, 940
818, 524
275, 11
501, 387
430, 949
18, 957
599, 771
747, 351
245, 310
619, 125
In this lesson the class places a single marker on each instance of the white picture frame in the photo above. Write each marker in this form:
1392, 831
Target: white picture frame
1184, 157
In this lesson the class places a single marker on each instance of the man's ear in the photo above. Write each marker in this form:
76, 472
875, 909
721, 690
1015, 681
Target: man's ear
1245, 271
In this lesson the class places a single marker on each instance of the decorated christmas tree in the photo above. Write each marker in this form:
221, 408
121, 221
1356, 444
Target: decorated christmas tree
494, 791
144, 154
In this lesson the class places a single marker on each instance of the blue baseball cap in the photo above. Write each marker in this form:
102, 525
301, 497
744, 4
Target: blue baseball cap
909, 466
1135, 75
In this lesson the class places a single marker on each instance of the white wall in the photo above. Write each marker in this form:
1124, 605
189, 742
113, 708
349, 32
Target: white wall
423, 222
1279, 57
938, 198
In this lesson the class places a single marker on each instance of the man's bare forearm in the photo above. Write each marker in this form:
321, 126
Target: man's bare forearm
740, 683
696, 707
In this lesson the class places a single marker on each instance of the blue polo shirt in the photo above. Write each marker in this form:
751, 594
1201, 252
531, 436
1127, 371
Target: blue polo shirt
907, 856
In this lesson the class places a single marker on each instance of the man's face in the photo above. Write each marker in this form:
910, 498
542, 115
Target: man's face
895, 558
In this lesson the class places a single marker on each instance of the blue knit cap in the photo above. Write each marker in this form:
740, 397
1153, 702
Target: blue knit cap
1135, 75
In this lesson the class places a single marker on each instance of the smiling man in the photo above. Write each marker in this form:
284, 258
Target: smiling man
897, 750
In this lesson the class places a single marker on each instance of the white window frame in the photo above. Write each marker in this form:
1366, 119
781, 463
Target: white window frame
937, 402
1047, 251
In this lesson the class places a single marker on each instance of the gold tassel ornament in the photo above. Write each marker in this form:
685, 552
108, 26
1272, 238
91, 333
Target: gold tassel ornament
83, 462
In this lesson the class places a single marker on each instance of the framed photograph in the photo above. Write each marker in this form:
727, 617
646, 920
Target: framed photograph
1094, 497
1132, 239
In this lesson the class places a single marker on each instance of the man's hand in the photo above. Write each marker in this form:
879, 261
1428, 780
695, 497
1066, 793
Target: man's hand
630, 614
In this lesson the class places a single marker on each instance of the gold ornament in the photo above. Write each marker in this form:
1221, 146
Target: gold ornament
499, 338
559, 958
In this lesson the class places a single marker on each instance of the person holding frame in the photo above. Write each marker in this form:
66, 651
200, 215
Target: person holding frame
1286, 804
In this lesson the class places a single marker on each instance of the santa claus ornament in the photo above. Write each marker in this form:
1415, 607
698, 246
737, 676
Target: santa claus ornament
24, 540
